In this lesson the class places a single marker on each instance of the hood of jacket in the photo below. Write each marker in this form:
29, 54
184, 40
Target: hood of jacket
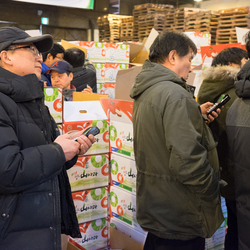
20, 88
151, 74
216, 81
242, 84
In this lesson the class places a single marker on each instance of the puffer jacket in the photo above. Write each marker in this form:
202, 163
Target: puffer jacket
83, 77
238, 131
35, 197
217, 81
177, 179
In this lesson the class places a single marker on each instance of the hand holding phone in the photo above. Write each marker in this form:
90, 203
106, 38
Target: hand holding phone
89, 131
220, 102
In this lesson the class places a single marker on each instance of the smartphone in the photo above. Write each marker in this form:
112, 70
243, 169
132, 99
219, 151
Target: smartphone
89, 131
219, 103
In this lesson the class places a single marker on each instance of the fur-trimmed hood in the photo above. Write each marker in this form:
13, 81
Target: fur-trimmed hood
224, 72
216, 81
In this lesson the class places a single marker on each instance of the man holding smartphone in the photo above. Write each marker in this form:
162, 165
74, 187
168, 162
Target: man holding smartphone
177, 186
36, 205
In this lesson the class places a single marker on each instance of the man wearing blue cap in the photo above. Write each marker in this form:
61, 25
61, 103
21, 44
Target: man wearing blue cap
36, 205
61, 75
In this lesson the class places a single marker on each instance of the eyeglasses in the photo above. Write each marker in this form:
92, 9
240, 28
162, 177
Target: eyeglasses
31, 48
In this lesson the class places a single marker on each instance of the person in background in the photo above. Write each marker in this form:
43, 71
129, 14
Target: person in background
247, 41
177, 185
84, 76
61, 77
56, 53
36, 204
238, 134
219, 79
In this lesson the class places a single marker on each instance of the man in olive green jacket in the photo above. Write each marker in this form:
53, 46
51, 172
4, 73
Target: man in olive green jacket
178, 199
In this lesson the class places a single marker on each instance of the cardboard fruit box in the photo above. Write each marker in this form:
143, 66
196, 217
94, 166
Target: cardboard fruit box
123, 173
89, 172
91, 204
79, 115
94, 235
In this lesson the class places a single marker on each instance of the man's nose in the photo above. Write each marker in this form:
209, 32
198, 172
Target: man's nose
39, 58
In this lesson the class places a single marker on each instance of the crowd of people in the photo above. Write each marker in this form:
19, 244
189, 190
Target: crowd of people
185, 158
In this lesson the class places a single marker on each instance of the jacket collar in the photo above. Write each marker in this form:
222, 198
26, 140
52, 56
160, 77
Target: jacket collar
151, 74
20, 88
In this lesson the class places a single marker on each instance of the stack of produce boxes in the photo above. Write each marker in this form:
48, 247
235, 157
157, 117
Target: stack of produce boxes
53, 100
108, 59
89, 177
122, 169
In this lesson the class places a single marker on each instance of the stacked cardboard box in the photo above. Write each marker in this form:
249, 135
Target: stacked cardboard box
122, 169
230, 19
89, 177
53, 100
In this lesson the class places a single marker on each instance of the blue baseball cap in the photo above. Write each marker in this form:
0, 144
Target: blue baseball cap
61, 67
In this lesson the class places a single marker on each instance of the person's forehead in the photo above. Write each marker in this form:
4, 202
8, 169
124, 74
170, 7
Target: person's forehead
54, 72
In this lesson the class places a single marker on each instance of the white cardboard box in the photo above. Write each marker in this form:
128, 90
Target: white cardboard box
79, 115
123, 173
91, 204
107, 72
89, 172
106, 88
117, 52
94, 235
53, 100
123, 207
121, 127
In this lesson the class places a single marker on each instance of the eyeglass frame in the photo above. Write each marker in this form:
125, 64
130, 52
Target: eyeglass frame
31, 47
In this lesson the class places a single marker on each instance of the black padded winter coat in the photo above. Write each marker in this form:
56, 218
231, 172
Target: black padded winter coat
34, 189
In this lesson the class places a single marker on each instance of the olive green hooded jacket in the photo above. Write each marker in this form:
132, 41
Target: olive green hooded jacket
177, 179
217, 81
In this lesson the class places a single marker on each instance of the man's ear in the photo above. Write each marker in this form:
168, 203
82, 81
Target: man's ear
49, 58
6, 58
71, 76
172, 56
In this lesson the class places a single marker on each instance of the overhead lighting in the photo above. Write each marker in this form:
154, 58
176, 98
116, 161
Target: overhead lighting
198, 0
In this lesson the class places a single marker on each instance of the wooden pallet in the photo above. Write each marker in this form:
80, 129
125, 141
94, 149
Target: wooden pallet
234, 11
